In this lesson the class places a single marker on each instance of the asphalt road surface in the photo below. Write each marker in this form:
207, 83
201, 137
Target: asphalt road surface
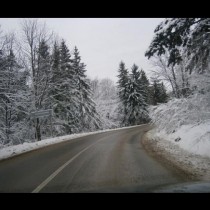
114, 161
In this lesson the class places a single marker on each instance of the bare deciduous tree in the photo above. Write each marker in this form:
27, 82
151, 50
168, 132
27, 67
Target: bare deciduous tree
34, 34
166, 73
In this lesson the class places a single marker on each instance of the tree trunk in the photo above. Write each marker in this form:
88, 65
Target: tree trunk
38, 130
175, 83
6, 123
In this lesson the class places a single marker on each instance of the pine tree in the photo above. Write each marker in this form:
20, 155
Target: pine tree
159, 93
41, 84
55, 74
136, 105
151, 95
55, 93
145, 85
43, 75
163, 95
123, 80
62, 92
122, 92
86, 115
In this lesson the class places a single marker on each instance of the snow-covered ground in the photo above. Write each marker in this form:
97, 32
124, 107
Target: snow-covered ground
196, 165
25, 147
192, 138
182, 133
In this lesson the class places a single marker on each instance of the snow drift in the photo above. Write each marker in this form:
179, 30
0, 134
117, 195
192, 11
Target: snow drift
184, 122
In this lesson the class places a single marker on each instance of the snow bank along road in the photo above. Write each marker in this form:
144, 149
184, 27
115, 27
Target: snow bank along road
113, 161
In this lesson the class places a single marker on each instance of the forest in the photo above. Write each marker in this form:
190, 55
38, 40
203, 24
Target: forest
38, 71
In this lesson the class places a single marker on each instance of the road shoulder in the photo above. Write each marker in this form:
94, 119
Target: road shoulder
195, 167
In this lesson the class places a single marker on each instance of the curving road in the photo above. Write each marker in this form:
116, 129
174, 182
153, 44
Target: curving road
114, 161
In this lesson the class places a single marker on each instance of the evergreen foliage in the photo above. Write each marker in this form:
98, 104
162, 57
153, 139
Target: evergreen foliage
180, 37
86, 115
158, 93
44, 76
133, 93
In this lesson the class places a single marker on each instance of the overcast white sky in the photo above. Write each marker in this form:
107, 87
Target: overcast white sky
102, 42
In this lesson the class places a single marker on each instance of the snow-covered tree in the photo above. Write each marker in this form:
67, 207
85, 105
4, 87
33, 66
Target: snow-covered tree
43, 72
158, 93
176, 78
63, 92
36, 62
122, 91
107, 89
123, 80
107, 101
136, 105
13, 95
180, 38
55, 74
145, 84
95, 87
86, 114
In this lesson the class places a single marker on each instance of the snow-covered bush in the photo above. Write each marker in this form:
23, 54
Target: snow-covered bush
184, 111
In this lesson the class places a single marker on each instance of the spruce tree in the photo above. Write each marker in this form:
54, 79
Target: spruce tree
43, 75
63, 90
55, 75
41, 83
163, 95
145, 85
122, 92
136, 102
159, 93
55, 93
156, 93
86, 116
122, 82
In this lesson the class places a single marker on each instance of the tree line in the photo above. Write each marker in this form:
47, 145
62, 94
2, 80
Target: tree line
38, 72
136, 94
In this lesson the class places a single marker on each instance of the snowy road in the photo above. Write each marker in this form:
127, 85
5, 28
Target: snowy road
106, 162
